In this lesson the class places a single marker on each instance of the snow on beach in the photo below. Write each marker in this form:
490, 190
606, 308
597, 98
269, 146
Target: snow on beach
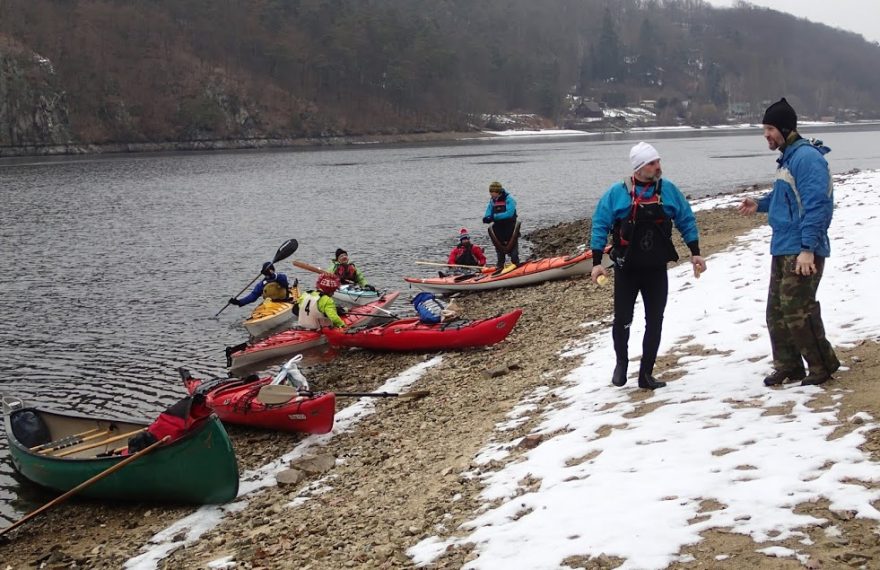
715, 448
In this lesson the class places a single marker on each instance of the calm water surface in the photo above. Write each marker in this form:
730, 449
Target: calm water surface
113, 267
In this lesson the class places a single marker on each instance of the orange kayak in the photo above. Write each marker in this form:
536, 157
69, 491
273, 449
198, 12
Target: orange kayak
528, 273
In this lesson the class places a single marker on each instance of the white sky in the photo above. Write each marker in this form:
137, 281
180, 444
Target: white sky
860, 16
631, 492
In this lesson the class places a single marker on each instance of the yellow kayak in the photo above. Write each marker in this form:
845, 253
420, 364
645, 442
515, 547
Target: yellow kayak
269, 315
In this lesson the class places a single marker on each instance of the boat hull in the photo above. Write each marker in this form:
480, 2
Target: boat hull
529, 273
198, 468
411, 335
293, 341
269, 315
236, 402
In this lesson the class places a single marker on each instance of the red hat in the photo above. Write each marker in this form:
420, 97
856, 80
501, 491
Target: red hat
463, 234
327, 283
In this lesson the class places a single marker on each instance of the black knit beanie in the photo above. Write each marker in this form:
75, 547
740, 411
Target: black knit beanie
782, 116
339, 252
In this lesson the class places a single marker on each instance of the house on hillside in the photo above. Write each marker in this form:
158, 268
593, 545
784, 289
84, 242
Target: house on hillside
588, 109
739, 110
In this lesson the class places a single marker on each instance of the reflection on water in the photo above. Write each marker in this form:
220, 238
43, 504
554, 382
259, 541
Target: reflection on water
113, 267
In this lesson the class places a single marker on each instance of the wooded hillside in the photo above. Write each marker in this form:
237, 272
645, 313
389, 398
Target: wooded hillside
99, 71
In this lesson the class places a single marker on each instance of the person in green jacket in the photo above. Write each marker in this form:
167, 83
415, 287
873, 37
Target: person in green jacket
346, 271
316, 309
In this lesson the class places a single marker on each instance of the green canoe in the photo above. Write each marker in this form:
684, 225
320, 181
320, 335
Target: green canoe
199, 467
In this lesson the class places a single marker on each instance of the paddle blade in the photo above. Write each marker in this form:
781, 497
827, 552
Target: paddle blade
286, 250
276, 394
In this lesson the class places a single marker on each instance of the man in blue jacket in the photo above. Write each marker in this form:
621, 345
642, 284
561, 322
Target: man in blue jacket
799, 210
639, 213
504, 231
273, 286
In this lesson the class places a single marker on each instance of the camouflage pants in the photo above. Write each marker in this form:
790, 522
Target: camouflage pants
794, 319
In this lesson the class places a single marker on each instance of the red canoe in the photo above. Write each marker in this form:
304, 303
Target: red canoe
235, 402
412, 335
292, 341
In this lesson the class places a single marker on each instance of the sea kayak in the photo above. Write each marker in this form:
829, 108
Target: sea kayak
236, 402
528, 273
61, 450
349, 295
413, 335
269, 315
295, 340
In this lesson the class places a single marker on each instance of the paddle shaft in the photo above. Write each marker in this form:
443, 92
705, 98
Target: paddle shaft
77, 438
99, 443
415, 394
308, 267
448, 265
285, 250
76, 441
84, 484
281, 393
246, 287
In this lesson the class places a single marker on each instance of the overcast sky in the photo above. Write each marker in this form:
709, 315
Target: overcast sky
860, 16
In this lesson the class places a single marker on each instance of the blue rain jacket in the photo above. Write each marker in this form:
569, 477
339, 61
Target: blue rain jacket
801, 202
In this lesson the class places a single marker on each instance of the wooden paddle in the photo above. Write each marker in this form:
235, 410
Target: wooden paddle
100, 443
448, 264
84, 484
64, 441
308, 267
279, 394
66, 444
284, 251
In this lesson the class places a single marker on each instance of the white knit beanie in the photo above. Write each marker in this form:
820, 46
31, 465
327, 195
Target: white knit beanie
642, 154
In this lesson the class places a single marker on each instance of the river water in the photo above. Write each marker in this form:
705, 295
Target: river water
112, 267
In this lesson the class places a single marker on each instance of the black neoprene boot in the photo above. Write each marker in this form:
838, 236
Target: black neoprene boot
619, 376
648, 382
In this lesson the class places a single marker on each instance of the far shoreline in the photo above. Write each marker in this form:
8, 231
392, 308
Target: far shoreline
355, 141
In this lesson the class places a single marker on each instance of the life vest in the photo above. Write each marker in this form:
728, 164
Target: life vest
503, 228
644, 238
346, 272
275, 291
310, 317
465, 255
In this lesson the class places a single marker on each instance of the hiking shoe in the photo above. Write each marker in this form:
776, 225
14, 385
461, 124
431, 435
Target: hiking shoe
650, 383
619, 376
816, 379
777, 377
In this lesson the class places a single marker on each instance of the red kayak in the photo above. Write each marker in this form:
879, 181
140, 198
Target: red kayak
413, 335
235, 401
294, 340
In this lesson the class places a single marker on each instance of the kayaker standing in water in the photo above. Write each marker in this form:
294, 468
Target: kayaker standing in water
466, 253
316, 309
274, 286
504, 231
799, 208
639, 213
345, 270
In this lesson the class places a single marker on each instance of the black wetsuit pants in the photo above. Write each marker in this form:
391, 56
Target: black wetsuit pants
653, 284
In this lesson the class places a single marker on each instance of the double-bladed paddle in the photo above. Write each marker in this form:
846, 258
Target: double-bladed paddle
280, 393
286, 250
